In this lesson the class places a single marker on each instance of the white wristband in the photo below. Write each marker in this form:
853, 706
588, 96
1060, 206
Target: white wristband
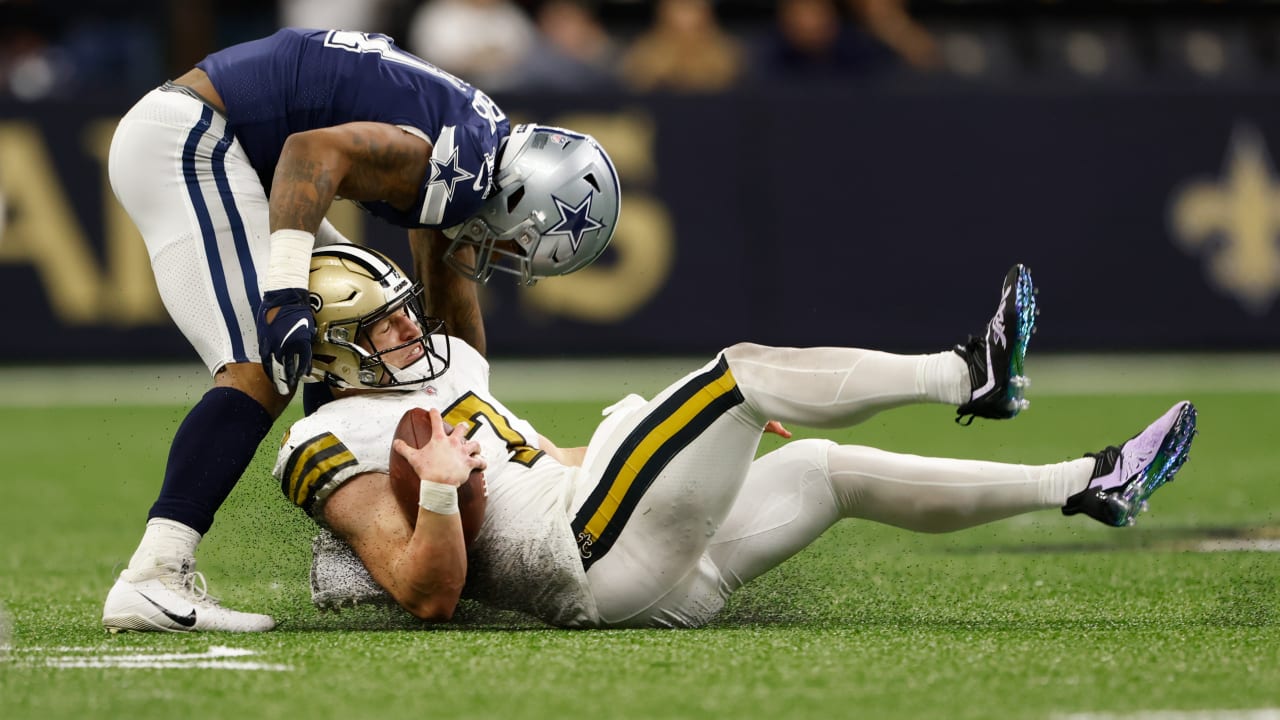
290, 260
438, 498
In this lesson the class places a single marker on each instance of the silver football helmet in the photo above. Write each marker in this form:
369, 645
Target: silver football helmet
351, 289
553, 209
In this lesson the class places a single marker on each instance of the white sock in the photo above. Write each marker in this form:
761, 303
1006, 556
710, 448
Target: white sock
164, 543
1066, 479
944, 377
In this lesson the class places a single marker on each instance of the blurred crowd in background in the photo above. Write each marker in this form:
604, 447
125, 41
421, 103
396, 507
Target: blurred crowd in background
70, 48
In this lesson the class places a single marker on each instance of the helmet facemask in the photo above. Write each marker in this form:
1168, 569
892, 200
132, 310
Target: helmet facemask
352, 290
495, 250
375, 370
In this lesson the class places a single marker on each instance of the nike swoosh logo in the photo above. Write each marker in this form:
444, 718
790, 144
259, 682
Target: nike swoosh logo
300, 324
188, 620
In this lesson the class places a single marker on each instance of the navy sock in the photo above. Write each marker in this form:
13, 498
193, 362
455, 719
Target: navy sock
210, 451
314, 395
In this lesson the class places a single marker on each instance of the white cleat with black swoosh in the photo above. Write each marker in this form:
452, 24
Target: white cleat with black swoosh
172, 598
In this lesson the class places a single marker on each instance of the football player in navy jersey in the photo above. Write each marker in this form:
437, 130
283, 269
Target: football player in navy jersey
228, 172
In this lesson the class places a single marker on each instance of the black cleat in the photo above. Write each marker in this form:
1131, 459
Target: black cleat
996, 358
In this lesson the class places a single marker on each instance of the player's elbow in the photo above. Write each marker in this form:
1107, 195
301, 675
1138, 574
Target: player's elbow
434, 601
311, 151
434, 608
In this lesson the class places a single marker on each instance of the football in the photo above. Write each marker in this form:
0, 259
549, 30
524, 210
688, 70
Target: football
415, 429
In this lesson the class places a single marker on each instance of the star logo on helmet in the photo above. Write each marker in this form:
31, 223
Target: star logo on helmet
448, 173
574, 221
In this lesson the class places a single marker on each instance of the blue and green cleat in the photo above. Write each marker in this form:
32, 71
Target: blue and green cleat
1124, 477
996, 358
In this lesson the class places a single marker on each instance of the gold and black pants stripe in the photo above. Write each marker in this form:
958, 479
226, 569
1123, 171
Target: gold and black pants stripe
678, 421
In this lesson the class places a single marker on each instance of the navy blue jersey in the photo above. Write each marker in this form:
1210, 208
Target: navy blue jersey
298, 80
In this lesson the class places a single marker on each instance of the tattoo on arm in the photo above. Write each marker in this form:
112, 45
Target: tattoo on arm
302, 190
359, 161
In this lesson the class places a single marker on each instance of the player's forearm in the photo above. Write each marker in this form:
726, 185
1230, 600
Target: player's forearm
432, 569
304, 184
450, 296
571, 457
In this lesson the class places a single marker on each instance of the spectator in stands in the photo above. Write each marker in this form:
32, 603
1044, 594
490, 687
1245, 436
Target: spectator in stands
814, 39
364, 15
811, 39
48, 51
686, 50
573, 52
889, 22
484, 41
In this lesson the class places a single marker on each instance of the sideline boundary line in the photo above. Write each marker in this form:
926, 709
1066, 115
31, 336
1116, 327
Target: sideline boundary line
608, 379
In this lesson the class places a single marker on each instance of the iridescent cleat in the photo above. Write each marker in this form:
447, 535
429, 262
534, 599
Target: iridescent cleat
1124, 477
996, 358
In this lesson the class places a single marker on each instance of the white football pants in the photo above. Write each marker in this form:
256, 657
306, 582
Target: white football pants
203, 214
711, 519
188, 186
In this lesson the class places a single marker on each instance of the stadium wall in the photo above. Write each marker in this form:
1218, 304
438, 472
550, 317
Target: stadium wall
819, 215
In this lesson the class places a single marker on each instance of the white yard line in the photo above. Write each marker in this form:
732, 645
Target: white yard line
1256, 714
605, 380
215, 658
1263, 545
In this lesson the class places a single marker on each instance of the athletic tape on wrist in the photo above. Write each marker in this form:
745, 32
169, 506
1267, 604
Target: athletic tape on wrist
438, 498
290, 260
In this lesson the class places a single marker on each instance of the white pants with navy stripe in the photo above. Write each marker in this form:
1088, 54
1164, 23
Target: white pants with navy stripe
188, 186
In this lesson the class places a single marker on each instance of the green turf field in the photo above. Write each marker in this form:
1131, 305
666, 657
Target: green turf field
1035, 617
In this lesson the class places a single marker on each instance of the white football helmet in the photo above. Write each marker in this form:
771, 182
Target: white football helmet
352, 288
553, 209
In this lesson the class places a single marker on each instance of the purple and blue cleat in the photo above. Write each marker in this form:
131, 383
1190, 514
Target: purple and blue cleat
996, 358
1124, 477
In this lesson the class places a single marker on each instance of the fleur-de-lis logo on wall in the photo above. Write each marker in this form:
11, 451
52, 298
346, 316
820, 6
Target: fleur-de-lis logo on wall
1234, 221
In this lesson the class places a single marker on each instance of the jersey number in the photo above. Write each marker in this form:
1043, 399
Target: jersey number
471, 409
380, 44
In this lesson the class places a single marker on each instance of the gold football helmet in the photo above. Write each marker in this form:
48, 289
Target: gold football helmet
351, 289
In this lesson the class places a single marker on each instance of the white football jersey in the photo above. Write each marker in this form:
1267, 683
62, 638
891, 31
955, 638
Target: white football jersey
524, 557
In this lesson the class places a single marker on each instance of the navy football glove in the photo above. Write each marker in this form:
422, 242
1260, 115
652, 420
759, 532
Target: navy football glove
285, 342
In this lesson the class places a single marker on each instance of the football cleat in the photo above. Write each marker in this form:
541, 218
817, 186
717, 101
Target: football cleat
995, 359
339, 579
172, 598
1124, 477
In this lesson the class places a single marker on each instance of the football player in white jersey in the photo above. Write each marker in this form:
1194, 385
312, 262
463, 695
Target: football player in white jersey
666, 511
228, 172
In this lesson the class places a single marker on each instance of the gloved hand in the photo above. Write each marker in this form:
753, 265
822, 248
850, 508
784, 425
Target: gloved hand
285, 342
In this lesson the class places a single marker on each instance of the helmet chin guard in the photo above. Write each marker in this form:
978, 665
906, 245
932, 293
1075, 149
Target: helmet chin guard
553, 210
351, 289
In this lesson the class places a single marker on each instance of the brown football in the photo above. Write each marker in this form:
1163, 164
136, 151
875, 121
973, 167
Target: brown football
415, 428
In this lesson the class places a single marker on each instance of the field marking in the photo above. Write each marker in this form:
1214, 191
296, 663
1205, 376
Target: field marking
217, 657
1262, 545
606, 380
1258, 714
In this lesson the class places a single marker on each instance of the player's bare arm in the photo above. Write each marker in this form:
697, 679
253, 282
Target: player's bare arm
450, 296
359, 161
571, 457
423, 566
